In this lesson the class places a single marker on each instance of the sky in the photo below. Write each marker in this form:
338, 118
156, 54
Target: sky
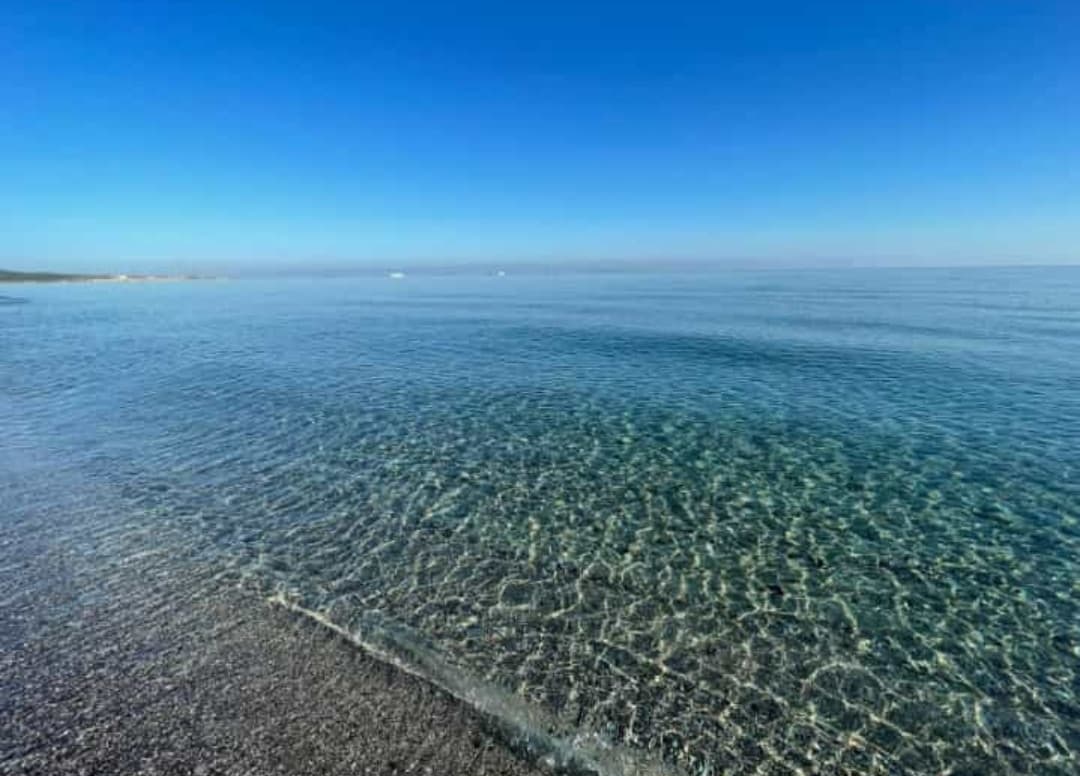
244, 136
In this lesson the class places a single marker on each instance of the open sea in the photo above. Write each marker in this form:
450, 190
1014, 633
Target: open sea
686, 523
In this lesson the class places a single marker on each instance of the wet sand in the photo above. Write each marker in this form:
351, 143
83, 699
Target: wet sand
144, 665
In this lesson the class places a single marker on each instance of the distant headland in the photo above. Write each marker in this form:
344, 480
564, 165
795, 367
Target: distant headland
11, 276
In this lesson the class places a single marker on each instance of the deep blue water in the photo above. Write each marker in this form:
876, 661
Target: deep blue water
719, 522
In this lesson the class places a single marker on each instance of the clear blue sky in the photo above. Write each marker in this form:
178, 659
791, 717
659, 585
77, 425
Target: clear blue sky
160, 136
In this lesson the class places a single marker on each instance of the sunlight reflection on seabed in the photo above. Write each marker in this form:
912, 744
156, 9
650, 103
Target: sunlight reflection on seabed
689, 530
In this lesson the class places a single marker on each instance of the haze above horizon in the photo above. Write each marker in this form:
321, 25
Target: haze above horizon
160, 137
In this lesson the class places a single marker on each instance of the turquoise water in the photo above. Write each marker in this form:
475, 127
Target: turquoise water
766, 522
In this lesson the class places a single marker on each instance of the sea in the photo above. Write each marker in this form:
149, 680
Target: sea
681, 522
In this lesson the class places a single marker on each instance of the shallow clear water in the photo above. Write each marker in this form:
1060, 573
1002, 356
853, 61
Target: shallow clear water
736, 522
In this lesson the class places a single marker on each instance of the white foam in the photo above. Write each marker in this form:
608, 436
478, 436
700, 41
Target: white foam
529, 726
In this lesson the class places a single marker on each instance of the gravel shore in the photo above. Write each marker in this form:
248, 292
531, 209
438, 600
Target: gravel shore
142, 665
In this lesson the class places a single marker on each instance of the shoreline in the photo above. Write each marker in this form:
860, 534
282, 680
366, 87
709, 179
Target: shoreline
20, 278
139, 664
109, 279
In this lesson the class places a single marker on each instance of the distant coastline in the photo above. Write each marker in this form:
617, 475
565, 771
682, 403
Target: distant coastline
11, 276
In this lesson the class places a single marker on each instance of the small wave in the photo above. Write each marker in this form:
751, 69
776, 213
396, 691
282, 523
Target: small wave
12, 300
526, 725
